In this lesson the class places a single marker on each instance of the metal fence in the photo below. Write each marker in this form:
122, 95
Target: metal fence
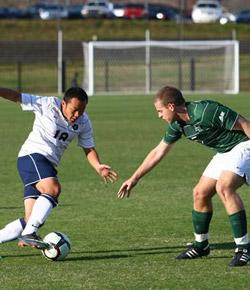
31, 66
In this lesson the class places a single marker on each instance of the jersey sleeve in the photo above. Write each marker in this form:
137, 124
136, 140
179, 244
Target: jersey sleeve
85, 138
220, 116
172, 133
32, 103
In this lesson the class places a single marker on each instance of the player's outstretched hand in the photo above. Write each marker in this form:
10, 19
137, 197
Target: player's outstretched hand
107, 173
126, 188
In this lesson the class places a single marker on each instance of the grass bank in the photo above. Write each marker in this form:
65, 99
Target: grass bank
117, 29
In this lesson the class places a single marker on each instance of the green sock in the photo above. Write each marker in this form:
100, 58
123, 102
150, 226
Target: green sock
238, 223
201, 221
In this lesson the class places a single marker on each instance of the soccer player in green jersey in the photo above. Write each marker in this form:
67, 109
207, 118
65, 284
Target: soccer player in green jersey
216, 126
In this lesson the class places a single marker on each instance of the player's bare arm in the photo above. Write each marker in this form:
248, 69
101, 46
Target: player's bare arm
103, 170
243, 124
151, 160
10, 95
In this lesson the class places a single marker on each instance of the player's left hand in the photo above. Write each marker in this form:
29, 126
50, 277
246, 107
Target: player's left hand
107, 173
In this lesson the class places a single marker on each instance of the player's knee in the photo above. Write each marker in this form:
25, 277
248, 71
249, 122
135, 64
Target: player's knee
49, 186
223, 190
199, 193
55, 191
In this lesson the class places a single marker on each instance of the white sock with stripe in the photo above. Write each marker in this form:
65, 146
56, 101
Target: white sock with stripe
12, 230
40, 212
242, 240
200, 237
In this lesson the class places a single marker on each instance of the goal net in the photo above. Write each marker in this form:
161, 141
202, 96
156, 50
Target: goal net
136, 67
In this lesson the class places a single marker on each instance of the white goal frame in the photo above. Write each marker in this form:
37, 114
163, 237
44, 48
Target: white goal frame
228, 64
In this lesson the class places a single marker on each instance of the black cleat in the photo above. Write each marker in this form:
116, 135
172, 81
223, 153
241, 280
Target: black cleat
33, 240
194, 252
240, 258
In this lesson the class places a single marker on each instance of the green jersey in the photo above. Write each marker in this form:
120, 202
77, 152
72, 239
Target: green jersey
210, 124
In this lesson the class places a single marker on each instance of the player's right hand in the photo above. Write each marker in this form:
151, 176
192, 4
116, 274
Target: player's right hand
126, 188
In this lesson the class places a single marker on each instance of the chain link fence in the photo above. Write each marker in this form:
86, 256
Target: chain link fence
31, 66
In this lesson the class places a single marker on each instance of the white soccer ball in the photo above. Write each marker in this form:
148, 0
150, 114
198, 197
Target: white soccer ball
60, 246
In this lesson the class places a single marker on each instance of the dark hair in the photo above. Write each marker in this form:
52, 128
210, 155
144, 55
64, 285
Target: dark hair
168, 95
75, 92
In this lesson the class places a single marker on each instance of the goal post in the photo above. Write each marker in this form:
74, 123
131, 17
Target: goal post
142, 67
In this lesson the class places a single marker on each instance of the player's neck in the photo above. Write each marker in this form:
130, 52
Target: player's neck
183, 113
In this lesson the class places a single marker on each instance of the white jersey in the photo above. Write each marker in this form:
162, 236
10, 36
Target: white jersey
52, 133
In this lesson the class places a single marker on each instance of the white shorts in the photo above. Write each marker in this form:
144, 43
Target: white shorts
237, 161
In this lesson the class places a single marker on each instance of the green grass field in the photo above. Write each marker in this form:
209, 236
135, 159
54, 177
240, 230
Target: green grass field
119, 244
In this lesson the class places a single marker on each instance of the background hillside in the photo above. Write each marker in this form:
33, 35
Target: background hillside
85, 30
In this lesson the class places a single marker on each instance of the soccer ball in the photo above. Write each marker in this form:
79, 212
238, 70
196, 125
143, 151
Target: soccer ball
60, 246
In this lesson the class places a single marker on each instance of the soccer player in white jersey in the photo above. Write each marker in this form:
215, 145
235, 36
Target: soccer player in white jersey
57, 122
222, 129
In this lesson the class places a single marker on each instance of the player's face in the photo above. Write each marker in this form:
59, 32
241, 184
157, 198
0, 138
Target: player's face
73, 109
165, 112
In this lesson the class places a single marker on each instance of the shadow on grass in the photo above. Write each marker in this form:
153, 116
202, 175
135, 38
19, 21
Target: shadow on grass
21, 206
21, 255
10, 207
223, 246
128, 253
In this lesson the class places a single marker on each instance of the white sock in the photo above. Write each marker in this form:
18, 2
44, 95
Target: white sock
12, 231
39, 214
242, 240
200, 237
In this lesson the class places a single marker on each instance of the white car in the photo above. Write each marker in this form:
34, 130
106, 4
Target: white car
206, 11
53, 12
118, 10
227, 17
97, 9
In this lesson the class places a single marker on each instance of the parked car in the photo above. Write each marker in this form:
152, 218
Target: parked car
34, 9
161, 12
97, 9
13, 13
227, 17
118, 10
74, 11
243, 16
53, 12
134, 11
206, 11
4, 12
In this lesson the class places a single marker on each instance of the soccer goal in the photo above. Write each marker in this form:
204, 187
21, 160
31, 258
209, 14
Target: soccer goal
142, 67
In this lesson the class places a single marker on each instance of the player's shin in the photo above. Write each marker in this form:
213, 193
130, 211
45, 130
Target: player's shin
238, 223
201, 221
40, 212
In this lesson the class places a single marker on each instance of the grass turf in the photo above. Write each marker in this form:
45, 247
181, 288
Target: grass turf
119, 244
120, 29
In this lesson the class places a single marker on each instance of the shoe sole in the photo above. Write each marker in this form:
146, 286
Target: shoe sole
41, 245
